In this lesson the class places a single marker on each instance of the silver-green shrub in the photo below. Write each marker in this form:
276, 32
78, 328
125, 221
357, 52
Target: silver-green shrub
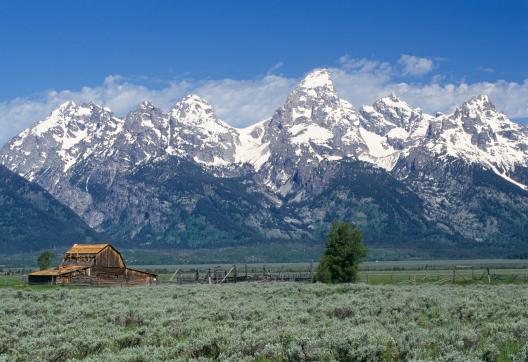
266, 321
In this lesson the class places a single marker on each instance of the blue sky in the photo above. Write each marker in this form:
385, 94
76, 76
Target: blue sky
54, 50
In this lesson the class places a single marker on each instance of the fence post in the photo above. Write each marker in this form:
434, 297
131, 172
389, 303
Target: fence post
311, 272
197, 275
246, 272
235, 271
489, 278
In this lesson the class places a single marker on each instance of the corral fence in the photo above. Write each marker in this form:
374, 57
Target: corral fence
243, 273
305, 272
456, 274
237, 273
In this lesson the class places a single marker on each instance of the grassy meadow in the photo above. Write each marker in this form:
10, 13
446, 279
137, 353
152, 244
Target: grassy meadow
266, 322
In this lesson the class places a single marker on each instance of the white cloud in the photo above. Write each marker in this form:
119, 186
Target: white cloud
413, 65
487, 69
275, 68
243, 102
364, 85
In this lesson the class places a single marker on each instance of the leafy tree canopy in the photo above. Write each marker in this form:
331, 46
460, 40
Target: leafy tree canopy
344, 251
44, 260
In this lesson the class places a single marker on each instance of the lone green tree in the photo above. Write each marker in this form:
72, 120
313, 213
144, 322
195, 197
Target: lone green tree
344, 251
44, 260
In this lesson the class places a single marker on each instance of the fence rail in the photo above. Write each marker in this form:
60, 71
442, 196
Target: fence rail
280, 273
460, 274
236, 274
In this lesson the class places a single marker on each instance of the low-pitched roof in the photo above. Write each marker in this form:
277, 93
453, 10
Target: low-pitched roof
142, 271
61, 270
86, 248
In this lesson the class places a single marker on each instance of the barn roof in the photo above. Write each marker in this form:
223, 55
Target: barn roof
86, 248
142, 272
61, 270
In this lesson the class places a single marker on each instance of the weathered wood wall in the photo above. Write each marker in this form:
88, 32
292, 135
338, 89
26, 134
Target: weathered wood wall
78, 259
109, 258
114, 277
132, 274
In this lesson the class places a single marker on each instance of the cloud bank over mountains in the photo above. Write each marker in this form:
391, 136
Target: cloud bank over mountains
243, 102
413, 65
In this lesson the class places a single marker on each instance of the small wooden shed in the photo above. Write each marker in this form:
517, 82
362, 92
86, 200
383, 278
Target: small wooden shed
94, 264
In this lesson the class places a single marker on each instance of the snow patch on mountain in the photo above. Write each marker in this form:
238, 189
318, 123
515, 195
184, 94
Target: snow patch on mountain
319, 78
478, 133
313, 125
250, 147
377, 144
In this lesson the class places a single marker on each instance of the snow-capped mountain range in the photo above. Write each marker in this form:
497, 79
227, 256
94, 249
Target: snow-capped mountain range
80, 150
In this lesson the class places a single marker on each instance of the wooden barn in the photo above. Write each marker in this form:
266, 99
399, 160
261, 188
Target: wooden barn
93, 264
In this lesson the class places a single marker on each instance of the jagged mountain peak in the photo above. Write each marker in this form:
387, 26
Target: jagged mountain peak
480, 103
315, 101
393, 117
194, 103
145, 105
68, 108
61, 116
391, 101
95, 107
70, 104
195, 99
193, 109
479, 111
145, 115
316, 87
479, 134
481, 99
318, 78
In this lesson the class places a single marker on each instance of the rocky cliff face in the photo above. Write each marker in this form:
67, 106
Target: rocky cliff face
180, 176
467, 169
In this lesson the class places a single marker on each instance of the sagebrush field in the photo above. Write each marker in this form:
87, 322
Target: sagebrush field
266, 321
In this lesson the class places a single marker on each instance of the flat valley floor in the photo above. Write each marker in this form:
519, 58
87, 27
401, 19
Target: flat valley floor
266, 321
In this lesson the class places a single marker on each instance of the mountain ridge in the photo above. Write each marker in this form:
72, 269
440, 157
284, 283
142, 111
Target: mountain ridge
86, 157
29, 215
390, 123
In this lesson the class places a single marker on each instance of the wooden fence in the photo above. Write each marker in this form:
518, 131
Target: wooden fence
235, 274
458, 274
306, 273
